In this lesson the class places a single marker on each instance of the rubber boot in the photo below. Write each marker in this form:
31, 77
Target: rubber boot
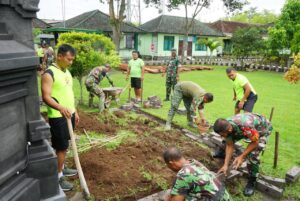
168, 126
101, 104
250, 187
90, 100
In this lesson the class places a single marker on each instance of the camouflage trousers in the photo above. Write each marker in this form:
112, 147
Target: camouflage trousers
170, 84
253, 158
93, 88
175, 102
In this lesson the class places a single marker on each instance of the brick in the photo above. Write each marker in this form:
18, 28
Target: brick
233, 173
207, 141
217, 140
190, 135
292, 175
274, 181
269, 189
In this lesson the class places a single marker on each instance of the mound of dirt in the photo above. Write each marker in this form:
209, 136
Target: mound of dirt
135, 169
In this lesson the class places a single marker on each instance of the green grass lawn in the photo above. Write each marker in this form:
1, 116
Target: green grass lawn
272, 91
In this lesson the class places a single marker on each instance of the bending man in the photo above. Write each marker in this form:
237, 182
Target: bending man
193, 180
244, 126
92, 84
193, 96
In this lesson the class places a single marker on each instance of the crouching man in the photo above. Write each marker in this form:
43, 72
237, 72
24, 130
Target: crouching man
250, 126
193, 180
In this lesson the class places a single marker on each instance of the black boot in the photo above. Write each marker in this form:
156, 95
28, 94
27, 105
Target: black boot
249, 189
219, 153
167, 98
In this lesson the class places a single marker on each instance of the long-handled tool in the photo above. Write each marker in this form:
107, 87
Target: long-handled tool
77, 162
129, 93
142, 91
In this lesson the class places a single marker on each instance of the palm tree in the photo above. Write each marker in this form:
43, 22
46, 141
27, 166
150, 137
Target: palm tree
211, 43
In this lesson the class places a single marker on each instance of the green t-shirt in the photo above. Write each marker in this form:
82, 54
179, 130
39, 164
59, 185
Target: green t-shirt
238, 86
136, 67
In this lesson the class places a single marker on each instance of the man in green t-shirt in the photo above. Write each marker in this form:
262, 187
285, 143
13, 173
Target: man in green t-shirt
136, 70
193, 180
243, 91
57, 93
194, 97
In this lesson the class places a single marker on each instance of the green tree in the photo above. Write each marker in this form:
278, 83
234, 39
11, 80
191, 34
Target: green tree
286, 32
253, 16
194, 7
211, 43
246, 42
92, 50
293, 74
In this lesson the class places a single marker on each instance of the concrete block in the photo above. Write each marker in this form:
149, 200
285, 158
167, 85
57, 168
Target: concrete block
192, 136
208, 142
217, 140
292, 175
234, 173
181, 111
274, 181
269, 189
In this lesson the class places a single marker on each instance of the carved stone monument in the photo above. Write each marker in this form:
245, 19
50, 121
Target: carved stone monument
28, 165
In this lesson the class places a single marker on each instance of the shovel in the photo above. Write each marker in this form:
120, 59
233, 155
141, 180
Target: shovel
77, 162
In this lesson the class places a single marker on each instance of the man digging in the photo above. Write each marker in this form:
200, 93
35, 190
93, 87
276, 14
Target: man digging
172, 77
193, 180
57, 93
92, 84
194, 97
250, 126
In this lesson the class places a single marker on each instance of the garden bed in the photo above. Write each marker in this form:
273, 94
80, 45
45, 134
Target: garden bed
133, 167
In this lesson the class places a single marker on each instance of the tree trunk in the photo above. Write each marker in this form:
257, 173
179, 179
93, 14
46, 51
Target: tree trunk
116, 21
116, 36
81, 90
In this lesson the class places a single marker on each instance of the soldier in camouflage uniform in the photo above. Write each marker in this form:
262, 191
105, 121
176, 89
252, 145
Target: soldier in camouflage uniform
92, 84
193, 96
250, 126
172, 77
193, 180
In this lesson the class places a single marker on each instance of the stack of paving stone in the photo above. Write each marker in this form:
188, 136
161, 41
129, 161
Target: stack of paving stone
153, 102
292, 175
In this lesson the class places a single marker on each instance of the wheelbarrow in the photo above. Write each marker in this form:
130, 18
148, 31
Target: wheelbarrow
113, 93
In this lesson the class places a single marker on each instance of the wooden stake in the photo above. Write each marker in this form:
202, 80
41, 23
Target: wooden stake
271, 114
77, 162
276, 149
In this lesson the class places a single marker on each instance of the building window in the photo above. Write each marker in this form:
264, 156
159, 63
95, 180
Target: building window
168, 42
198, 47
129, 41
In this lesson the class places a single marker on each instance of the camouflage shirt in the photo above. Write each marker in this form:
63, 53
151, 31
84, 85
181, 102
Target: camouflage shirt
95, 76
248, 125
195, 182
173, 65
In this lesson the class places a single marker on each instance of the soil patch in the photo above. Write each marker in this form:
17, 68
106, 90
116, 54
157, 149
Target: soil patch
135, 169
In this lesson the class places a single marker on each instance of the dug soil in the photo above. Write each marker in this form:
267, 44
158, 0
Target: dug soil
135, 168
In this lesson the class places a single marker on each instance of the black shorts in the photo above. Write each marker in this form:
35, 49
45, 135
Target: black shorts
60, 133
249, 104
136, 82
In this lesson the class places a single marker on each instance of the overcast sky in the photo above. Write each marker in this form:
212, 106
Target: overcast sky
52, 9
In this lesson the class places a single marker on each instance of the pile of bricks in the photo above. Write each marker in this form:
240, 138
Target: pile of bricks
132, 105
153, 102
292, 175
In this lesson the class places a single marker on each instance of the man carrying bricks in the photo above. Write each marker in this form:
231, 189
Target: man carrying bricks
194, 97
250, 126
172, 77
193, 180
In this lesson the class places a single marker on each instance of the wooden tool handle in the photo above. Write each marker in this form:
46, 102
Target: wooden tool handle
82, 180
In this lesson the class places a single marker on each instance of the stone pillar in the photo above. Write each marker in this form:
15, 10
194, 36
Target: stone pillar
28, 165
